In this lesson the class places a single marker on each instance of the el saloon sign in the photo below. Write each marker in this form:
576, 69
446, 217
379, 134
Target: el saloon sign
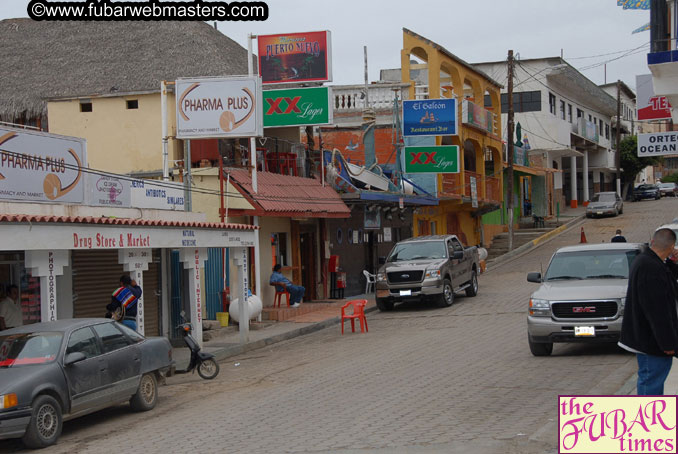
297, 107
437, 159
219, 107
430, 117
41, 167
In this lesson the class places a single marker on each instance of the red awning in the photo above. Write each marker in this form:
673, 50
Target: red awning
288, 196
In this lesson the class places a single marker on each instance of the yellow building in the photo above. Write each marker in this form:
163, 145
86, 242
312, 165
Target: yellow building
437, 73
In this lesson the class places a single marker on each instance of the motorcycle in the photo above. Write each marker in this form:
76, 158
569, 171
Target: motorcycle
205, 363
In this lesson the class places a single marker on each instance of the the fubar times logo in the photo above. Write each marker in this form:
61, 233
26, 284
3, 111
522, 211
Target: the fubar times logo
617, 424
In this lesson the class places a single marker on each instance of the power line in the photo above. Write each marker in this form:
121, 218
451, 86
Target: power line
194, 189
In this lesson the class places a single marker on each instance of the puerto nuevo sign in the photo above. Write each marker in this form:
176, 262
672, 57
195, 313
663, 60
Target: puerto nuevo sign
297, 107
435, 159
430, 117
658, 144
219, 107
41, 167
295, 57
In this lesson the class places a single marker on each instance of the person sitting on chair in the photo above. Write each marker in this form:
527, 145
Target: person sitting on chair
282, 283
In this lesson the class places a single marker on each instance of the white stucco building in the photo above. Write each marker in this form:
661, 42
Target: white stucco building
567, 120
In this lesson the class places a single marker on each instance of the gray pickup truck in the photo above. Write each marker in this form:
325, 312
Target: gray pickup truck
427, 267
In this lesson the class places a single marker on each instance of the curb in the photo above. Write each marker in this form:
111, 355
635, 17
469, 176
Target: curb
531, 244
227, 352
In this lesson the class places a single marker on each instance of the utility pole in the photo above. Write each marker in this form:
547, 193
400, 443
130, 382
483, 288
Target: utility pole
617, 155
509, 152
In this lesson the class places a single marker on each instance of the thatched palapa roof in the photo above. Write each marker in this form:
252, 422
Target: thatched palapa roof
43, 60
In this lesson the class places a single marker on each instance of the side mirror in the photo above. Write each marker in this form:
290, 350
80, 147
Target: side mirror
382, 260
458, 255
73, 358
534, 277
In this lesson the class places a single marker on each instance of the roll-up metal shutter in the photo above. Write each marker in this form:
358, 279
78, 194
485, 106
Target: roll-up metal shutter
96, 274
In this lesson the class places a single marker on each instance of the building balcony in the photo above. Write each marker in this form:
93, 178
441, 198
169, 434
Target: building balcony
351, 98
478, 117
586, 129
458, 186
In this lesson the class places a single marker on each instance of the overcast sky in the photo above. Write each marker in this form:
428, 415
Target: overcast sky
473, 30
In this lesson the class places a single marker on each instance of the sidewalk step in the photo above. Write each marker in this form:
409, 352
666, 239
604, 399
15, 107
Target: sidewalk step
285, 313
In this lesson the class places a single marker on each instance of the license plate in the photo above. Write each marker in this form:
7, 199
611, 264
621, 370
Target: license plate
599, 212
406, 293
584, 331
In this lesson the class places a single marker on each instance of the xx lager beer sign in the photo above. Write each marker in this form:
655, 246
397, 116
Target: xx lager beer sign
436, 159
297, 107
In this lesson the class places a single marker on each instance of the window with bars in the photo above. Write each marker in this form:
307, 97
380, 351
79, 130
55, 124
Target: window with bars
562, 109
552, 103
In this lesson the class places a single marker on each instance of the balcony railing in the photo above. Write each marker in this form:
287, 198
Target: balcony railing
493, 188
586, 129
351, 98
478, 117
452, 183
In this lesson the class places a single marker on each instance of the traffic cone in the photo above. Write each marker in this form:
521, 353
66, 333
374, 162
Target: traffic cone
583, 236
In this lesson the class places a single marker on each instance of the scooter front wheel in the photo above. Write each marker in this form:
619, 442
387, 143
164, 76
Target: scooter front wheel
208, 368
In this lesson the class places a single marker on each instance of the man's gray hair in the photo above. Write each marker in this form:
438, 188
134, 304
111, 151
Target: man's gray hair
664, 238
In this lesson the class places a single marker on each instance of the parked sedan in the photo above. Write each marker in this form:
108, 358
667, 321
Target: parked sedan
646, 191
605, 203
668, 189
51, 372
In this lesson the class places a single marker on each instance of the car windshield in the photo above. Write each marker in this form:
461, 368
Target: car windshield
603, 198
667, 185
592, 264
29, 348
418, 250
645, 187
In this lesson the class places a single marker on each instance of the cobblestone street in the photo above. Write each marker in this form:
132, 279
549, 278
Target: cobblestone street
423, 380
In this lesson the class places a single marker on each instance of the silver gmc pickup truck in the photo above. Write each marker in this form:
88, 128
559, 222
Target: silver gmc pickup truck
427, 267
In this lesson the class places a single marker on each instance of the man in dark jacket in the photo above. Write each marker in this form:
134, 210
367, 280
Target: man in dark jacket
650, 324
618, 237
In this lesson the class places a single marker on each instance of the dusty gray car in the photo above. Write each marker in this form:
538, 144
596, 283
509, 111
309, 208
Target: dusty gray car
427, 267
51, 372
605, 204
581, 297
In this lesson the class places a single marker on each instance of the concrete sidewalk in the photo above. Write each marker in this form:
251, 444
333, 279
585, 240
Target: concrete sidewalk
297, 322
670, 386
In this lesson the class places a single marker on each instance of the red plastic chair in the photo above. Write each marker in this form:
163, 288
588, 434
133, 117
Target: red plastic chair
358, 313
277, 299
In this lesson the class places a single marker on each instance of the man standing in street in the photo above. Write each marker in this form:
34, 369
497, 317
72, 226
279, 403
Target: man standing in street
10, 309
650, 324
618, 238
282, 283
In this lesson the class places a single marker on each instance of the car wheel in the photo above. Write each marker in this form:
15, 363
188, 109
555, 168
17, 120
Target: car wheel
621, 210
472, 290
446, 298
208, 368
45, 425
147, 394
616, 212
540, 348
384, 305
